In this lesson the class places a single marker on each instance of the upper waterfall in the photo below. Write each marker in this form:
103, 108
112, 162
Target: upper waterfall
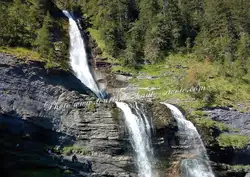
198, 165
78, 56
140, 136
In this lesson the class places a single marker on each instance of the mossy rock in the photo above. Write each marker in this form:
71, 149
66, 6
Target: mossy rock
161, 115
115, 114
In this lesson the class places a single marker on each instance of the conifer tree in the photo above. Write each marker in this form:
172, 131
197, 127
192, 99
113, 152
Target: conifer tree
44, 39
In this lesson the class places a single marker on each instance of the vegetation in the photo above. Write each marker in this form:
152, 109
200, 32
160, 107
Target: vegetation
234, 141
208, 40
67, 172
91, 107
163, 164
184, 44
29, 31
68, 150
195, 83
235, 167
208, 123
150, 30
21, 53
239, 167
39, 173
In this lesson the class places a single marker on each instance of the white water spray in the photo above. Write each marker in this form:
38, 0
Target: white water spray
139, 130
198, 165
78, 56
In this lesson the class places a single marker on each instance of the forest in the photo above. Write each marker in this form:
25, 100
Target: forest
136, 32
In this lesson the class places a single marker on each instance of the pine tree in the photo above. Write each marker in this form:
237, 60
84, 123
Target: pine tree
44, 39
36, 14
5, 26
243, 50
19, 34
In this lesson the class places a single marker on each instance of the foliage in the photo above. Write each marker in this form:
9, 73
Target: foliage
233, 140
67, 172
91, 107
153, 29
44, 39
163, 164
68, 150
239, 167
209, 38
28, 24
21, 53
180, 73
208, 123
39, 173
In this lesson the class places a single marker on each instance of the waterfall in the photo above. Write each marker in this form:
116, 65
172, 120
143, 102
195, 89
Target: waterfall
78, 57
198, 164
140, 136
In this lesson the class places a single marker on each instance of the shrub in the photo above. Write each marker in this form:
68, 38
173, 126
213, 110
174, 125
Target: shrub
91, 107
68, 150
67, 172
233, 140
208, 123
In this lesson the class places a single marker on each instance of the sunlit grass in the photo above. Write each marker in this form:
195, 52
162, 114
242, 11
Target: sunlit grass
22, 53
206, 122
233, 140
187, 71
68, 150
30, 55
124, 69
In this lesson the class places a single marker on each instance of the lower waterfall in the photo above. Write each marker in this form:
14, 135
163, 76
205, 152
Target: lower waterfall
140, 136
198, 164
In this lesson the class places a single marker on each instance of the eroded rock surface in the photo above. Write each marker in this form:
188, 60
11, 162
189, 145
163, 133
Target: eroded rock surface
43, 108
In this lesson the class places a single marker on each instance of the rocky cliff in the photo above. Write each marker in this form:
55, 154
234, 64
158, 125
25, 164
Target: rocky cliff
45, 109
49, 109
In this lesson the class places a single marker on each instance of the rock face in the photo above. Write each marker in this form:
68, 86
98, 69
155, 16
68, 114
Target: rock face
239, 123
43, 105
233, 118
50, 108
43, 109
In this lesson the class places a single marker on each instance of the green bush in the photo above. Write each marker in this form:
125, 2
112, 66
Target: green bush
233, 140
208, 123
240, 167
21, 52
68, 150
67, 172
91, 107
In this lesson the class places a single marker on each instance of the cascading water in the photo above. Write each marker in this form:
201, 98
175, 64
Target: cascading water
198, 165
140, 135
78, 57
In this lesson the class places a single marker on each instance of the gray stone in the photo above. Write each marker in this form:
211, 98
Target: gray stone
35, 100
122, 78
233, 118
51, 107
